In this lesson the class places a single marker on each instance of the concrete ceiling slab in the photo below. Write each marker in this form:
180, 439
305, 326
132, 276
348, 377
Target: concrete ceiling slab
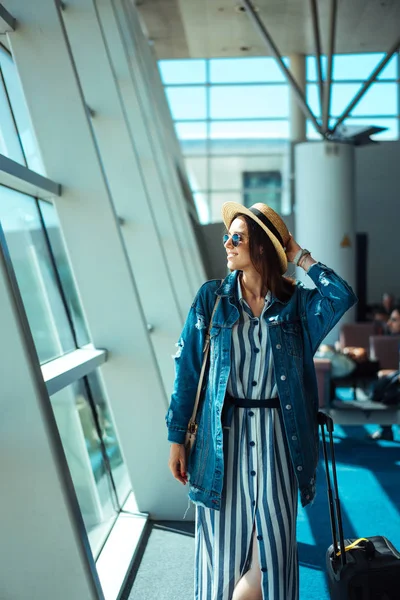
218, 28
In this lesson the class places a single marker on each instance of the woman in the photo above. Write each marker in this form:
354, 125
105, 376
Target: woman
257, 438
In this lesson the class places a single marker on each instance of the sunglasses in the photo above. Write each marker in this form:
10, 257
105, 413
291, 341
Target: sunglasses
236, 239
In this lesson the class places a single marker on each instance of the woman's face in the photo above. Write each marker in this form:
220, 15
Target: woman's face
238, 256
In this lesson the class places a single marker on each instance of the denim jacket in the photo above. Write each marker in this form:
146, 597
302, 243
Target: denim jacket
296, 329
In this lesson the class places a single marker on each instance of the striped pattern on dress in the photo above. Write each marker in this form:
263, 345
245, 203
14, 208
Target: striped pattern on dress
260, 488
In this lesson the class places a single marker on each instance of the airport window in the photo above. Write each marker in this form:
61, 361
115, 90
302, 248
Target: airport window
240, 107
25, 132
93, 455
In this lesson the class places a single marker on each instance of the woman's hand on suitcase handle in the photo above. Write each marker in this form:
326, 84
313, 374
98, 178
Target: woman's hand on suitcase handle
177, 462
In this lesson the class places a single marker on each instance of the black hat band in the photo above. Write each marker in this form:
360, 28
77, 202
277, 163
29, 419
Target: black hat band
267, 224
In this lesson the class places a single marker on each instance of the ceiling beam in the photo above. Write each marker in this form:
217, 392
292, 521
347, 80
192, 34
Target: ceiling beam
317, 45
331, 51
276, 54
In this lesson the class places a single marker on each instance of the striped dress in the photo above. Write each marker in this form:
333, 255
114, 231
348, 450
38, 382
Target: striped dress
260, 488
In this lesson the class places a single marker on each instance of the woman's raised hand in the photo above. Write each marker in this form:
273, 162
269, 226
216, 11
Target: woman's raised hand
292, 248
177, 462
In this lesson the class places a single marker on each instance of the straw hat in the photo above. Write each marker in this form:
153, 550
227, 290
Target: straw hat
266, 218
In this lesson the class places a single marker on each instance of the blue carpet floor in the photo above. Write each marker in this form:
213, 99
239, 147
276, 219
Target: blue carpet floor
369, 481
369, 485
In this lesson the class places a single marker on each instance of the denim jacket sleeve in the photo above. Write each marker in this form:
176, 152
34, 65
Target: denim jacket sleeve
188, 362
326, 303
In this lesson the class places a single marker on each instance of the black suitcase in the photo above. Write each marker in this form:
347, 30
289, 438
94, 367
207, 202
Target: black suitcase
369, 569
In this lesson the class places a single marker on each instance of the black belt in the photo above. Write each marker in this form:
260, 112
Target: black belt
246, 403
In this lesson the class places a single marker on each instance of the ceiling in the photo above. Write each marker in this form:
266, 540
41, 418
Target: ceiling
218, 28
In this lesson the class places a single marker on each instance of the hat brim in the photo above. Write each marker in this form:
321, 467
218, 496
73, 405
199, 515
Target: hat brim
230, 209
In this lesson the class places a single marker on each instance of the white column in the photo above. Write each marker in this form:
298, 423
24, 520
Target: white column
297, 117
325, 210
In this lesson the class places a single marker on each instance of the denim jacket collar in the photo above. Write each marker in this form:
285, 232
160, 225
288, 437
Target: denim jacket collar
229, 288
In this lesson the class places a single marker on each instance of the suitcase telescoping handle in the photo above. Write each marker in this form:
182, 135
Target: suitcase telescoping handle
325, 420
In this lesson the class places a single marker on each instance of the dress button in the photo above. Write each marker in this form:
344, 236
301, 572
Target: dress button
252, 443
283, 377
253, 473
278, 346
260, 537
299, 468
251, 414
288, 406
257, 350
264, 569
253, 383
294, 437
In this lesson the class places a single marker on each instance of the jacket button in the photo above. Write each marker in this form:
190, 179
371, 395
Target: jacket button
283, 377
278, 346
250, 413
253, 383
260, 537
253, 473
288, 406
256, 350
299, 468
252, 443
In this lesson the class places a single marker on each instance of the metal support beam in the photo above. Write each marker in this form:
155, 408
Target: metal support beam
367, 84
328, 82
286, 73
20, 178
318, 58
7, 21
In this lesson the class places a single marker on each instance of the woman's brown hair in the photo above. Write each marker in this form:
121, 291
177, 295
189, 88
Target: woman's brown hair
267, 263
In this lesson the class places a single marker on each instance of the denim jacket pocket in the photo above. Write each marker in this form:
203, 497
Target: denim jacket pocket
293, 338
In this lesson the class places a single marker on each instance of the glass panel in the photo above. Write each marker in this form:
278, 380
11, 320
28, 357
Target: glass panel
197, 173
353, 67
313, 99
311, 68
182, 71
245, 70
85, 457
9, 140
64, 271
201, 201
218, 199
342, 95
35, 275
249, 129
360, 66
187, 102
21, 115
191, 131
227, 172
253, 101
110, 439
380, 99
